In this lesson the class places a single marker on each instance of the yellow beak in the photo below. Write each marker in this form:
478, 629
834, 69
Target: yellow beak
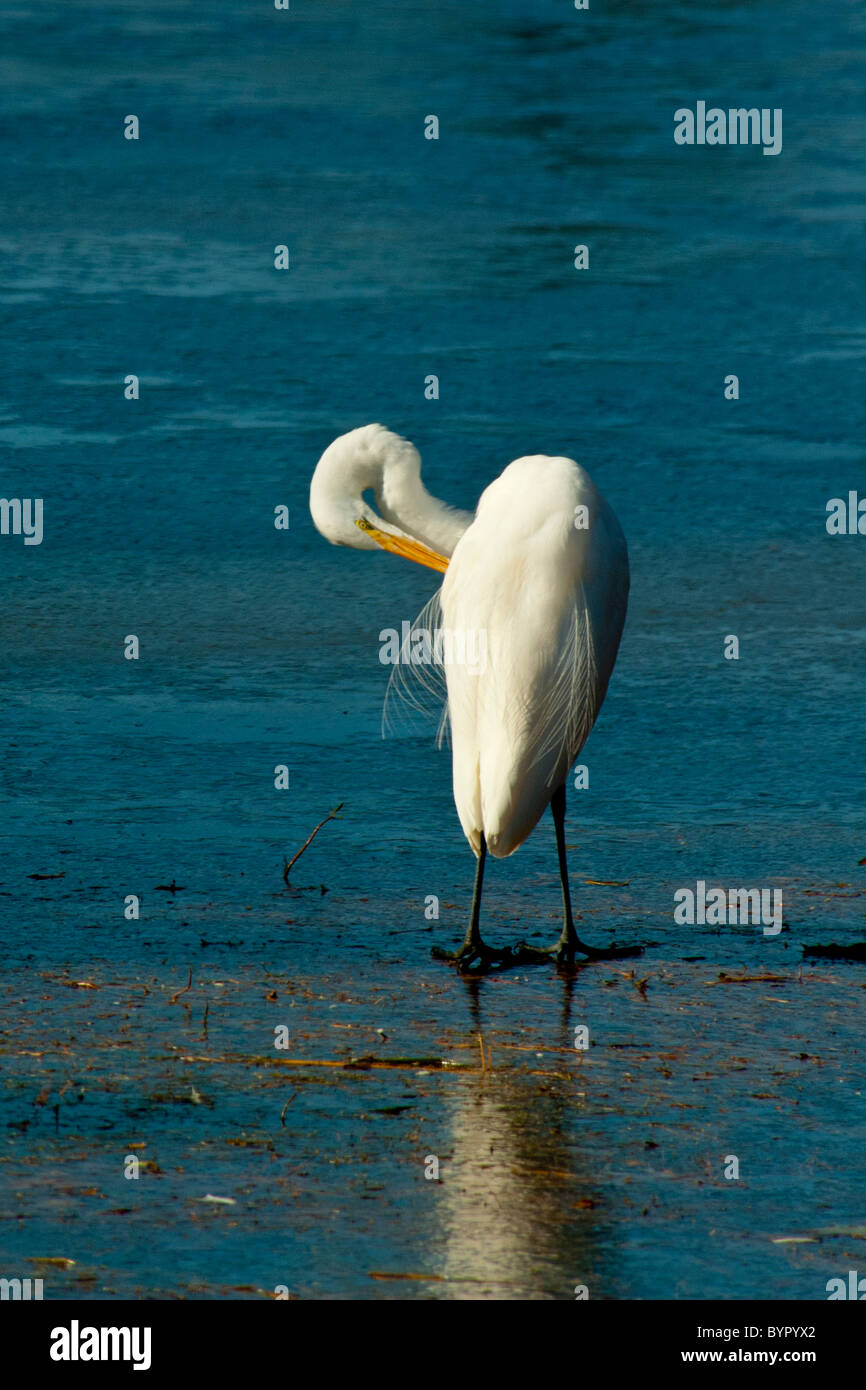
411, 550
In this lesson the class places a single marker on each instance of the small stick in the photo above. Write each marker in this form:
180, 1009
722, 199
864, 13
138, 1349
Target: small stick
287, 864
286, 1106
188, 986
481, 1045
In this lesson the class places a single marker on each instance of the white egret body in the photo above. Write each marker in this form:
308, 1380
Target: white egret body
551, 598
540, 573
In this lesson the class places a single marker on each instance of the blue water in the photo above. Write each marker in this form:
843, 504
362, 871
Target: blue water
260, 647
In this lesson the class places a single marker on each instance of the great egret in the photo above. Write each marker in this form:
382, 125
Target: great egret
541, 574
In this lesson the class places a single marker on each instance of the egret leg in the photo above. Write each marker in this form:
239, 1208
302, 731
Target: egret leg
474, 955
569, 943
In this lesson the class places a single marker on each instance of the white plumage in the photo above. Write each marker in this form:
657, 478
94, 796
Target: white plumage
539, 577
551, 599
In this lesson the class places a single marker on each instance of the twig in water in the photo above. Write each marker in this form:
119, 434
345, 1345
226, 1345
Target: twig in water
286, 1106
188, 986
288, 863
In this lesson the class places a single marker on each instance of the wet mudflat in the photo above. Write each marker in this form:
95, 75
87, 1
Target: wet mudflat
302, 1166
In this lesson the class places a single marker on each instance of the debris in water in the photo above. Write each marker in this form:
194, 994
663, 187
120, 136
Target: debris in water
288, 863
833, 951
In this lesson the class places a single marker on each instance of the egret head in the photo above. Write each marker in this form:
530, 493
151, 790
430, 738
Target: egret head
372, 459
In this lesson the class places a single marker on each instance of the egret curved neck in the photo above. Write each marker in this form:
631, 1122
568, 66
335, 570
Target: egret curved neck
404, 501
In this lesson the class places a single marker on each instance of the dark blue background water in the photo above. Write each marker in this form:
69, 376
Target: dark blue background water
260, 647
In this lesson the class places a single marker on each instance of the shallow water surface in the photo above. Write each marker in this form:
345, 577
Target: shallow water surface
557, 1167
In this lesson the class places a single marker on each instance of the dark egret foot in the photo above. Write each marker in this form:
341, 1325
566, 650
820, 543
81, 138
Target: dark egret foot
569, 944
564, 952
474, 958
